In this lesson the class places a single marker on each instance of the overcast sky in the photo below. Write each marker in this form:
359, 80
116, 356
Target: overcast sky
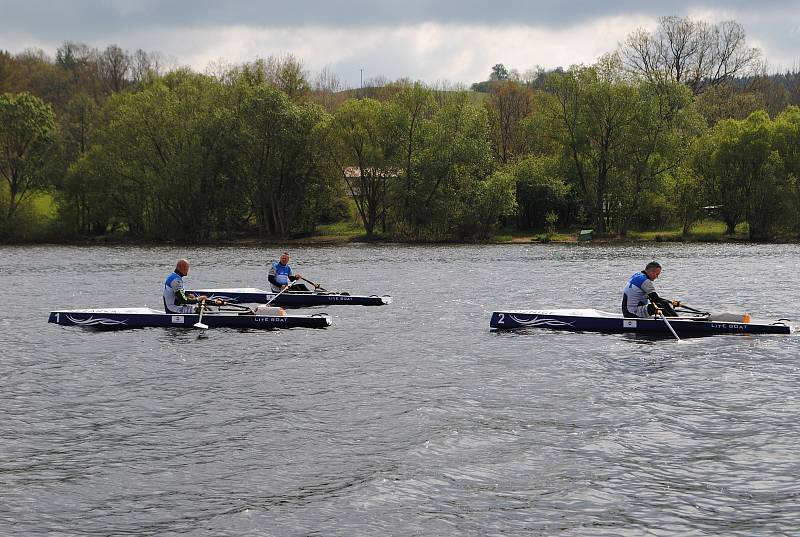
433, 41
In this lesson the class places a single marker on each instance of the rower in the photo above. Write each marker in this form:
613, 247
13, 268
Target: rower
639, 289
280, 275
175, 299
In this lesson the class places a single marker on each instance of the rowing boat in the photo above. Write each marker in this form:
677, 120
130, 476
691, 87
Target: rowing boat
592, 320
249, 295
117, 318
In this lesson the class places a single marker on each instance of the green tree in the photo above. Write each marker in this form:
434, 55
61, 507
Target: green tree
655, 144
499, 72
364, 152
589, 117
712, 163
12, 75
487, 201
281, 158
27, 129
454, 155
89, 202
689, 199
787, 143
727, 101
42, 78
744, 173
540, 189
408, 114
287, 73
621, 138
168, 149
78, 122
509, 104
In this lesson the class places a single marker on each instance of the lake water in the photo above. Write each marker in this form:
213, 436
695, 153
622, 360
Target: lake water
408, 419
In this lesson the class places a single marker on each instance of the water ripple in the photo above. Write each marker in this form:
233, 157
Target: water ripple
402, 420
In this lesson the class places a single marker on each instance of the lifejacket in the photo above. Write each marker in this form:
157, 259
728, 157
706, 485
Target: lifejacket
634, 295
174, 298
281, 273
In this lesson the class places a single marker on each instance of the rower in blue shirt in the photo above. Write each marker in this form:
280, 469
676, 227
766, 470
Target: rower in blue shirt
280, 275
640, 289
175, 299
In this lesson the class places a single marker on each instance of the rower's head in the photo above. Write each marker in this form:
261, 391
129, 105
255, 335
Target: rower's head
284, 259
653, 270
182, 267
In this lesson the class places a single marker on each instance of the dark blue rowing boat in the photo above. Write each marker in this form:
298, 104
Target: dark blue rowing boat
292, 299
120, 318
591, 320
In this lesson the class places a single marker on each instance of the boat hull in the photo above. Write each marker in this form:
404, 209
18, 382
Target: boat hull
292, 299
121, 318
596, 321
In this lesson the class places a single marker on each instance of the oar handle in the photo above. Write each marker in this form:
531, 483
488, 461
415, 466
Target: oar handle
689, 308
316, 285
229, 306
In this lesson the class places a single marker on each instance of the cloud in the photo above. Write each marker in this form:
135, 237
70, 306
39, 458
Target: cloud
457, 41
114, 15
427, 51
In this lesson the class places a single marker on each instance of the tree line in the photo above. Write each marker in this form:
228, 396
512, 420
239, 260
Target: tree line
672, 124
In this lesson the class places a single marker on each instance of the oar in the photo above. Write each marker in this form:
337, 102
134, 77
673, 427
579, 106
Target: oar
199, 323
683, 306
291, 283
658, 312
235, 307
316, 285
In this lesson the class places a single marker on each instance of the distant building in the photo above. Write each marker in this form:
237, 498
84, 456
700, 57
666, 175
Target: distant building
352, 175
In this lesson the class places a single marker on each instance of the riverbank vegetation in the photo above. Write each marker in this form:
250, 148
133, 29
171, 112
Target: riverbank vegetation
652, 142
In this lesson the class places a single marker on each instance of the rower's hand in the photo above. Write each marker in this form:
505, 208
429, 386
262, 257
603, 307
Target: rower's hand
217, 302
676, 303
284, 288
202, 298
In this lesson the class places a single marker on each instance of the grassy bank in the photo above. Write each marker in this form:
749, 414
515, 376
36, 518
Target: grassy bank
703, 231
40, 211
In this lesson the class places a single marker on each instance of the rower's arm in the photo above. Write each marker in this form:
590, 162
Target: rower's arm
658, 303
655, 300
650, 290
272, 276
180, 294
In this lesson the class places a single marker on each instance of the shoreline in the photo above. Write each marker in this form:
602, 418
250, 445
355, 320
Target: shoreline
335, 240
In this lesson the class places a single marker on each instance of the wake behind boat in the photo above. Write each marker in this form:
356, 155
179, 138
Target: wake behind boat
592, 320
120, 318
250, 295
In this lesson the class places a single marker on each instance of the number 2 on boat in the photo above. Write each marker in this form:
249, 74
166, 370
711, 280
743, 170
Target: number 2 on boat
500, 318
